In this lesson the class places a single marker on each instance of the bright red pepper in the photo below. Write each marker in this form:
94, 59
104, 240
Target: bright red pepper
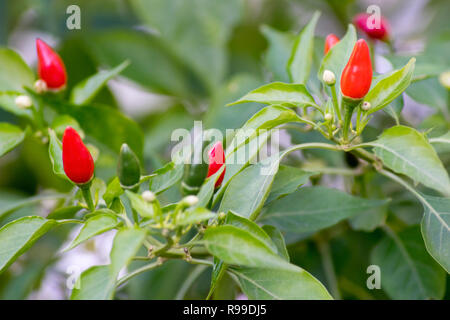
51, 68
330, 41
77, 160
216, 160
356, 77
379, 32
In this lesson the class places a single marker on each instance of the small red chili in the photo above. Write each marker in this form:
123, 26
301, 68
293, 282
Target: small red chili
77, 160
51, 68
330, 41
356, 77
216, 160
378, 31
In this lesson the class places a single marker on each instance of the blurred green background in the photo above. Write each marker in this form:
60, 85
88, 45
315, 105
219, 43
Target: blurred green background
188, 59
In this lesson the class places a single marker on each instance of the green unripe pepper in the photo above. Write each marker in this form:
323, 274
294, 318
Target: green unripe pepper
128, 167
195, 172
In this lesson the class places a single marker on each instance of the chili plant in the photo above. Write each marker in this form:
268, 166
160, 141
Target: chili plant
233, 216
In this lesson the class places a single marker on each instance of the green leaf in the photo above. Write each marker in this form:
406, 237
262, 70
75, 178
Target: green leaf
107, 126
395, 108
10, 137
406, 151
278, 52
113, 191
407, 270
429, 92
55, 154
196, 31
96, 225
65, 212
390, 87
144, 208
172, 77
248, 191
240, 247
13, 204
278, 240
166, 177
94, 284
15, 74
436, 229
287, 180
19, 235
193, 216
245, 224
270, 284
311, 209
441, 143
125, 246
337, 57
299, 64
237, 159
86, 90
279, 93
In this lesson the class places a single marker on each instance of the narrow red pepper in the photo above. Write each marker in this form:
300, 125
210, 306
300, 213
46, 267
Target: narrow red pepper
51, 68
377, 32
216, 160
356, 77
330, 41
77, 160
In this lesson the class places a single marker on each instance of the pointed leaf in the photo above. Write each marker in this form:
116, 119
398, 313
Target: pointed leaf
10, 137
19, 235
406, 151
299, 64
279, 93
311, 209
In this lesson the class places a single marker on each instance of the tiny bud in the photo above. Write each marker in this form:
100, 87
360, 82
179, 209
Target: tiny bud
148, 196
366, 106
23, 102
328, 77
222, 215
328, 117
190, 200
40, 86
444, 79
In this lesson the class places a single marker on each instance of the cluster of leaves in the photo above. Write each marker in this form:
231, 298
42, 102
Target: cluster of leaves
246, 223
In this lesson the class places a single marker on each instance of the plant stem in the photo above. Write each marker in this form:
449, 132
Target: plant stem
138, 272
189, 281
337, 108
86, 191
324, 250
347, 121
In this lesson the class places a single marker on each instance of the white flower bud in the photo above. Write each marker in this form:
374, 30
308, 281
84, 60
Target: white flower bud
23, 102
328, 77
444, 79
366, 106
148, 196
190, 200
40, 86
328, 117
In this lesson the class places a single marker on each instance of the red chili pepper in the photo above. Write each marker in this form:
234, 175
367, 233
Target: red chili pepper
51, 68
357, 74
77, 160
330, 41
216, 160
373, 30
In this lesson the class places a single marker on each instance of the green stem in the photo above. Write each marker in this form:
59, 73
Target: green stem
138, 272
337, 108
86, 191
189, 281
